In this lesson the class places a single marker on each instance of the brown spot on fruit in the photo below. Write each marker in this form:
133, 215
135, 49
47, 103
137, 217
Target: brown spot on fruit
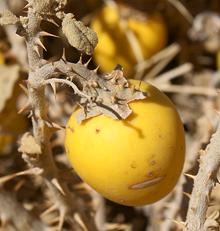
97, 130
133, 165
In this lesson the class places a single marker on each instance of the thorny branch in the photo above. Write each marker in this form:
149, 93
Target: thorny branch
108, 94
203, 185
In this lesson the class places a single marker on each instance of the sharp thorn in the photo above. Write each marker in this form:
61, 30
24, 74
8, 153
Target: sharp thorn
25, 108
53, 22
187, 194
190, 176
57, 185
23, 88
63, 60
53, 85
54, 126
77, 217
30, 114
180, 223
87, 63
27, 6
49, 210
80, 59
64, 55
36, 50
44, 33
39, 43
96, 69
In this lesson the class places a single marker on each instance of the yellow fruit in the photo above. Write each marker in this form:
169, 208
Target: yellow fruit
114, 47
135, 161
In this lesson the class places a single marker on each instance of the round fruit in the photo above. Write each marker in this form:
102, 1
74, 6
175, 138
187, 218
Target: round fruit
113, 27
135, 161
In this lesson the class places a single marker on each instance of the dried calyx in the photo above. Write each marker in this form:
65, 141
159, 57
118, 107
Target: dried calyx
109, 95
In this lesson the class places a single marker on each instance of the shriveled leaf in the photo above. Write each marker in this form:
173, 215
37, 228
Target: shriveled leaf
8, 78
8, 18
29, 145
78, 35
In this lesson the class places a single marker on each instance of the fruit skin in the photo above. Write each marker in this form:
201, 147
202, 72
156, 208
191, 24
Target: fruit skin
113, 156
114, 48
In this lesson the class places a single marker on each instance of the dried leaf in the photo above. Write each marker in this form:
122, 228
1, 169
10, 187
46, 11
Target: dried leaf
9, 76
78, 35
29, 145
8, 18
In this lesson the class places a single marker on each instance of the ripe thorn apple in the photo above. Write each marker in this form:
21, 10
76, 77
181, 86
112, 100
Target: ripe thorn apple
135, 161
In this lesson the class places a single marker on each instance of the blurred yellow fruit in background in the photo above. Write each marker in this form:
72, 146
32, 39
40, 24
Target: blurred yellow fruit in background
126, 37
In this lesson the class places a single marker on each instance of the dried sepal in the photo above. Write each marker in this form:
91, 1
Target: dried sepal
110, 96
40, 44
107, 94
78, 35
28, 145
8, 18
9, 76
